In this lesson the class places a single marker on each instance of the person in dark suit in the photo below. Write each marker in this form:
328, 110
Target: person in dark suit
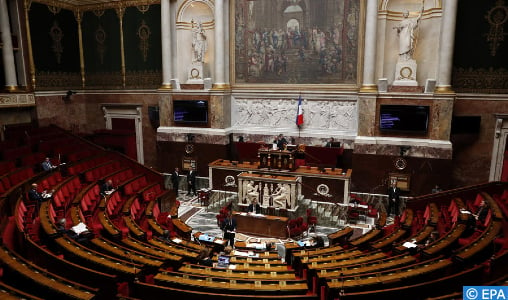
47, 165
175, 180
281, 141
481, 213
229, 228
191, 182
34, 195
254, 207
393, 199
107, 188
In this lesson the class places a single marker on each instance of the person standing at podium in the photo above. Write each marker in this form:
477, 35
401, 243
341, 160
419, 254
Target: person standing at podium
229, 228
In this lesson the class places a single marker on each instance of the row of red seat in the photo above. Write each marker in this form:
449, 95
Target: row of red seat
80, 167
15, 177
101, 171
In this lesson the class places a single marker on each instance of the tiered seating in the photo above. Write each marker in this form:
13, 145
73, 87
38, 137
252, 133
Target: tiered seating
139, 265
16, 270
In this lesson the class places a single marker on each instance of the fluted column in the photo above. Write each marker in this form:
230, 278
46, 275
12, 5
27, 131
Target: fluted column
369, 60
166, 44
11, 82
446, 42
219, 82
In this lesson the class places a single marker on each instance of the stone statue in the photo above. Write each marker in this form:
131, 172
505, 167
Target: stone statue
406, 30
199, 44
251, 192
280, 196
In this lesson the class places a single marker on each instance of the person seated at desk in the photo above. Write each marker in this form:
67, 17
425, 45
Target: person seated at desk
314, 242
107, 188
62, 230
204, 258
254, 207
481, 212
35, 196
47, 165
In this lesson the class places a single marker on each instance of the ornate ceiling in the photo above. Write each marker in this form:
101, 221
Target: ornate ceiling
84, 5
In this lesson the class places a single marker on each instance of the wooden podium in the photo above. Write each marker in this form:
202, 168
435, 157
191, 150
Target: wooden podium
275, 159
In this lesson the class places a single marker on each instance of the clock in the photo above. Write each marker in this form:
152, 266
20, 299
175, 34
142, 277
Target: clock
406, 73
189, 148
400, 163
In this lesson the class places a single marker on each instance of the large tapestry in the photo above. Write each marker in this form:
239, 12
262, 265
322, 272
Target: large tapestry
296, 41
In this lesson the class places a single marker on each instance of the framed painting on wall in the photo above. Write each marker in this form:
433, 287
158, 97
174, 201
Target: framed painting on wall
296, 41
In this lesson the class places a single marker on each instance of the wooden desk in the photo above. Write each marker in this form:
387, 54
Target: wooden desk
269, 226
341, 236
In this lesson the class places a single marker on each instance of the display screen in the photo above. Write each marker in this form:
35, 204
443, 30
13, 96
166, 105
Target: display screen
190, 111
404, 118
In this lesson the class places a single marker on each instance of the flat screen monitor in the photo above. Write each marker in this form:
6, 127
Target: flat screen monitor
223, 261
404, 118
190, 111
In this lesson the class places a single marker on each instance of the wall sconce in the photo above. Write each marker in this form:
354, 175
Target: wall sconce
68, 95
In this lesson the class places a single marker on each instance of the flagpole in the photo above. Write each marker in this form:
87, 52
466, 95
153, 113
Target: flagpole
299, 115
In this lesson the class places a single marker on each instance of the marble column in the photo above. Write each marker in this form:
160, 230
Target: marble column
11, 82
446, 42
166, 44
219, 82
369, 66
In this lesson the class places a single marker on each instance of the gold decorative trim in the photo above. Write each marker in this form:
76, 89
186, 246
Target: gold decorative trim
497, 17
368, 88
56, 34
444, 89
120, 11
11, 88
27, 4
166, 87
98, 5
144, 38
221, 86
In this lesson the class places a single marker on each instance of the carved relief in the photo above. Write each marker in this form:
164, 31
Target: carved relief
100, 38
497, 17
319, 114
144, 37
56, 37
17, 100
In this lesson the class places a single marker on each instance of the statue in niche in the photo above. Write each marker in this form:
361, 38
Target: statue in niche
407, 31
281, 196
199, 43
251, 192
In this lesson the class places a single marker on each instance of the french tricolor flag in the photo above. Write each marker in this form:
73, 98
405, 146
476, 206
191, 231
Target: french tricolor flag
299, 112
